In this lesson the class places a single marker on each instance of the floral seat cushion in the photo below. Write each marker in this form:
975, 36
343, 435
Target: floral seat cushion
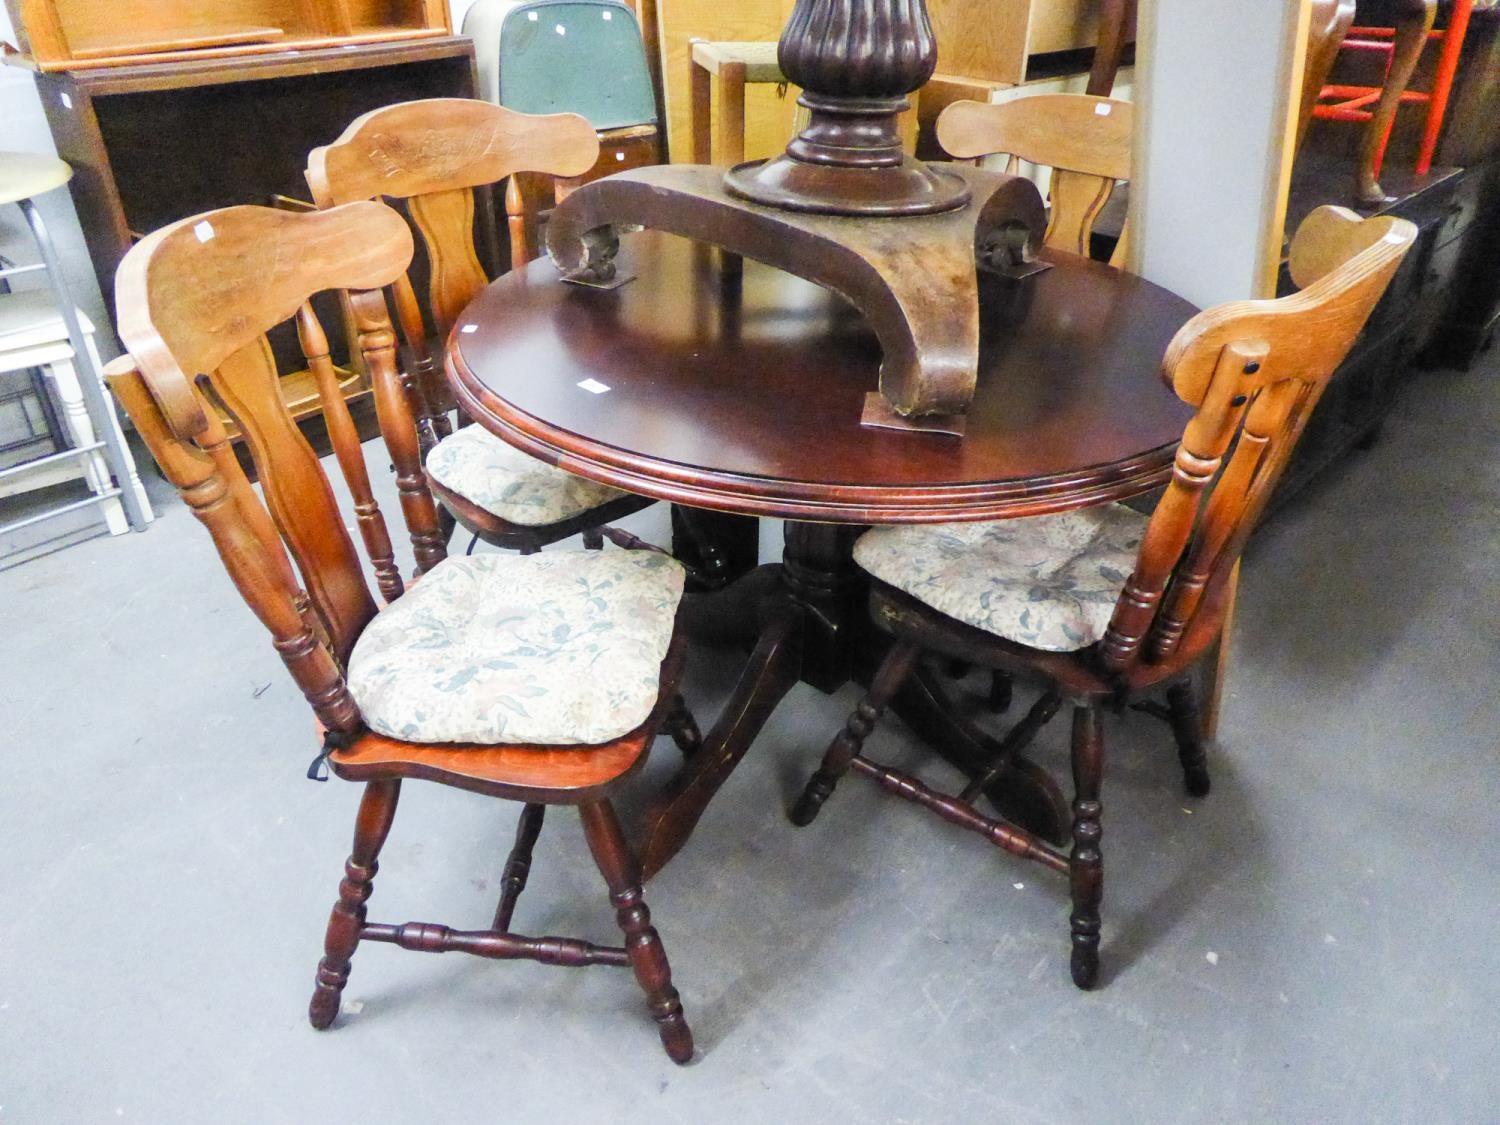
556, 649
1049, 582
510, 484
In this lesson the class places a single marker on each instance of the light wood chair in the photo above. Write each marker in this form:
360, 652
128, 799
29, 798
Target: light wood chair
1105, 607
1084, 140
471, 677
436, 155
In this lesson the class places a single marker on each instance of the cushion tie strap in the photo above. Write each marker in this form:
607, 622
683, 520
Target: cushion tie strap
332, 740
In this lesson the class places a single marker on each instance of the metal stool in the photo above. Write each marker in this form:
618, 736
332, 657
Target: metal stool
54, 335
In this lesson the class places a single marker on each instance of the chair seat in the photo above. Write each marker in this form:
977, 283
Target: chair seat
510, 484
27, 174
1048, 582
561, 649
31, 318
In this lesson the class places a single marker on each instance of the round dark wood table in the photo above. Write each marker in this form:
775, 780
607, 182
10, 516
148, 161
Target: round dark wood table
729, 385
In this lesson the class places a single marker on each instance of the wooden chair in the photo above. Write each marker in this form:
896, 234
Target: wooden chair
435, 154
1084, 140
1104, 606
473, 677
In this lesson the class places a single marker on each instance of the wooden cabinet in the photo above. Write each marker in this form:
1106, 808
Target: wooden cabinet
995, 39
1409, 319
84, 34
1472, 138
156, 142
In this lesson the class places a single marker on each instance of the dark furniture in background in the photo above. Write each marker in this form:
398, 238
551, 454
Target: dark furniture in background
1472, 140
1408, 320
1443, 308
156, 142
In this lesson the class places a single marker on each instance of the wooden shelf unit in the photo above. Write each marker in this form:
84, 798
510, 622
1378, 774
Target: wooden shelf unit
85, 34
155, 142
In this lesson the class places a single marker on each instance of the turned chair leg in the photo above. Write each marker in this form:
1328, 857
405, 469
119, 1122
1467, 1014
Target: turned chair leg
1187, 728
622, 872
376, 811
846, 746
683, 728
518, 865
1086, 865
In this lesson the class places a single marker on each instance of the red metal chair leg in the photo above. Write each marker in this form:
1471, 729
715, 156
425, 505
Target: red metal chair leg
1442, 84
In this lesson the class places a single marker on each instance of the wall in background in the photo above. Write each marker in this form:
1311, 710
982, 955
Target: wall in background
1213, 78
459, 8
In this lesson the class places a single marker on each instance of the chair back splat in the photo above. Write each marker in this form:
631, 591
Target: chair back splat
195, 301
1084, 140
434, 154
1254, 370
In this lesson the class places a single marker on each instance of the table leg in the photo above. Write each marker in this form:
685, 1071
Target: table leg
820, 575
809, 623
773, 670
1025, 794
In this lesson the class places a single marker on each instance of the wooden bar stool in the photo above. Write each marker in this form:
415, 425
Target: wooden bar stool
729, 66
542, 680
1400, 46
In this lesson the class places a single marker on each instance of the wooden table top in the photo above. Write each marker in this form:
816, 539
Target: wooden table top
747, 397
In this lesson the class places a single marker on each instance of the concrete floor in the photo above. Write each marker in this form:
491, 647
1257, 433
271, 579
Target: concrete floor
1314, 942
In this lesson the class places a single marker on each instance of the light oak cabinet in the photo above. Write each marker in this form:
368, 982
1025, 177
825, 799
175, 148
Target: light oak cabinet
83, 34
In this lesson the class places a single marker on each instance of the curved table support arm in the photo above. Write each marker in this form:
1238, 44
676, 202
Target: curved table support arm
914, 279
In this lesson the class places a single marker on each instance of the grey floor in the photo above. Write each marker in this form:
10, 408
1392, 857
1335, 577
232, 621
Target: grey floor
1315, 942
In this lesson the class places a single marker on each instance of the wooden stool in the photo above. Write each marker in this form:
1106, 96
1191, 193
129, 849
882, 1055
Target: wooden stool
734, 65
1401, 47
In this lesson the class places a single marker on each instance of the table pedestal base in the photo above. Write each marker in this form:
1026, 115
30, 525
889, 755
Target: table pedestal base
914, 278
808, 620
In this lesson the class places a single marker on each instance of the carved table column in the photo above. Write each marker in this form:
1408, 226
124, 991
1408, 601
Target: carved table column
844, 207
856, 61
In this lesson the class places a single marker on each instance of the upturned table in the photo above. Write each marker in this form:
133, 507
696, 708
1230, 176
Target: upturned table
739, 388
